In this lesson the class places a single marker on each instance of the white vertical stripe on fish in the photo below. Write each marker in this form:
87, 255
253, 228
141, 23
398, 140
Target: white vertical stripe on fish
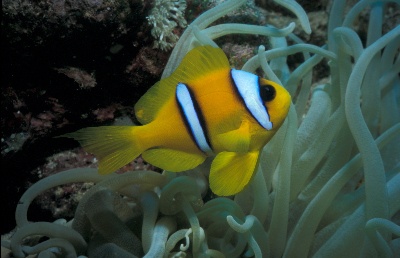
248, 87
186, 104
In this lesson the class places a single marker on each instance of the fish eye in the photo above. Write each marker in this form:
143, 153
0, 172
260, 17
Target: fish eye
267, 93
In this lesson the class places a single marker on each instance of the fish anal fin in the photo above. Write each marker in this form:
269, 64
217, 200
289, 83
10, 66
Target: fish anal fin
172, 160
231, 172
236, 140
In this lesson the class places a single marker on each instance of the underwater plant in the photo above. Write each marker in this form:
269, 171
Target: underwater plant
328, 183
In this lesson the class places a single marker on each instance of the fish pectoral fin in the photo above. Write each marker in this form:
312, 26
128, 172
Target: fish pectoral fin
231, 172
236, 140
172, 160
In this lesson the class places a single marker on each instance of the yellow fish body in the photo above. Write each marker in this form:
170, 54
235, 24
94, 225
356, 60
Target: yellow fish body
203, 109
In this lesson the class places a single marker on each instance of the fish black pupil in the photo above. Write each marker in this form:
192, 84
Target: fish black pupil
267, 92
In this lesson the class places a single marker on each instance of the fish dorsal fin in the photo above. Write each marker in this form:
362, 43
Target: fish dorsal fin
198, 62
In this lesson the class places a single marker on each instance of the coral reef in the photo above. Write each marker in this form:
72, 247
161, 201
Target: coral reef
327, 184
165, 16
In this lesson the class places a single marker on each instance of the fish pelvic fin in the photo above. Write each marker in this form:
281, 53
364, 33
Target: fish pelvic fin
231, 172
113, 146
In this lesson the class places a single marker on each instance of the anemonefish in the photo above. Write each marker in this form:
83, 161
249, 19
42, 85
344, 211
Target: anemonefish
203, 109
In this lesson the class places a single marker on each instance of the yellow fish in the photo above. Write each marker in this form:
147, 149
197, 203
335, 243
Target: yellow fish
203, 109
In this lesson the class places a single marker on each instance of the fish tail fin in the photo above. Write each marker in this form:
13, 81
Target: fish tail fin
114, 146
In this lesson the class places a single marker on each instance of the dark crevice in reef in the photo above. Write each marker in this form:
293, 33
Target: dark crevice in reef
62, 60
